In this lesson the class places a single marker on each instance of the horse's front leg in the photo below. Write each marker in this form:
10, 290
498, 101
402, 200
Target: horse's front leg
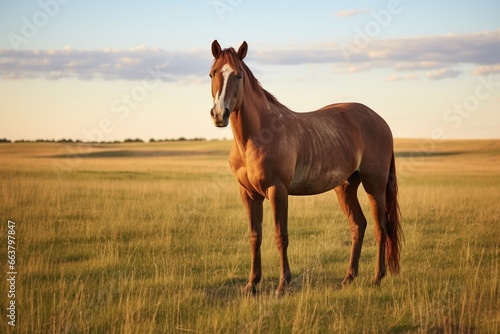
254, 211
278, 196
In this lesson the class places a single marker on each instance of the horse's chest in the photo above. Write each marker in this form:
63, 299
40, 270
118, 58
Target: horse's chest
251, 181
252, 175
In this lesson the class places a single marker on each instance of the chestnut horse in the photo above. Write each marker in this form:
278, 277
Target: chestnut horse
277, 152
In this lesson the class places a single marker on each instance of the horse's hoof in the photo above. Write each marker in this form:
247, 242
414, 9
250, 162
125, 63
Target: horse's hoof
284, 285
249, 290
282, 293
377, 279
346, 281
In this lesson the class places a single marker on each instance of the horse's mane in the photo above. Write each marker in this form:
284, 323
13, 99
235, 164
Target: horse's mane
230, 57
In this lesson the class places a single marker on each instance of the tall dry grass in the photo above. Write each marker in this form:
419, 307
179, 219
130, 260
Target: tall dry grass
151, 243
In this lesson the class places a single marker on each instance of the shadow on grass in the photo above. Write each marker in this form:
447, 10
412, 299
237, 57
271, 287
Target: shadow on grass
187, 153
418, 154
137, 154
233, 287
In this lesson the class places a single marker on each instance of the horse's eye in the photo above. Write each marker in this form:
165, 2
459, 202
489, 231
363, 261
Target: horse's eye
239, 76
210, 75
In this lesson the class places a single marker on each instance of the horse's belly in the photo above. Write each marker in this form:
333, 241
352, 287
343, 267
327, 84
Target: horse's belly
315, 182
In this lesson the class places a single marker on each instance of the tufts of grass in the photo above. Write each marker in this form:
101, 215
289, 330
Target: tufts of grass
154, 244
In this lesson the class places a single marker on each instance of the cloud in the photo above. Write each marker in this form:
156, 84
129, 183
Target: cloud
350, 12
441, 54
443, 74
403, 77
418, 65
477, 48
107, 64
487, 69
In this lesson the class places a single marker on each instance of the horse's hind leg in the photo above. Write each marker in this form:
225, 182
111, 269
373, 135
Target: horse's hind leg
375, 188
348, 200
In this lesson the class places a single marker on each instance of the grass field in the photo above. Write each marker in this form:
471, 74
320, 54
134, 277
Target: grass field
152, 238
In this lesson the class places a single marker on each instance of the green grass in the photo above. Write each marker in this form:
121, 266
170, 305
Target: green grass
146, 238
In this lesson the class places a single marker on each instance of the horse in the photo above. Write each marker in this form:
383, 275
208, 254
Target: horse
277, 152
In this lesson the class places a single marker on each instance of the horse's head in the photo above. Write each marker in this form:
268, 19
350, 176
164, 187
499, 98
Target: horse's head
227, 83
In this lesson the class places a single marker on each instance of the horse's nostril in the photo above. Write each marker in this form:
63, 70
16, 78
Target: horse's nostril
226, 113
212, 113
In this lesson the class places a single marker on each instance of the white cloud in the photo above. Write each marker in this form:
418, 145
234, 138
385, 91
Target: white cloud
438, 53
403, 77
350, 12
107, 64
443, 74
404, 54
419, 65
487, 69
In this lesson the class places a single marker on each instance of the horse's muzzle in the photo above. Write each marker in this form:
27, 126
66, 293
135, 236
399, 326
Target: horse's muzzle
220, 121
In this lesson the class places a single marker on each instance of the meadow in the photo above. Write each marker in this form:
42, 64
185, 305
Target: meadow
153, 238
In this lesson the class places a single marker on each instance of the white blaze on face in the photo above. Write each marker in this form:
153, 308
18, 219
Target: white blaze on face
219, 100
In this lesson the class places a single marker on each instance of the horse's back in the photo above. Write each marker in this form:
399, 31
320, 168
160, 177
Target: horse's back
347, 123
358, 112
357, 119
335, 141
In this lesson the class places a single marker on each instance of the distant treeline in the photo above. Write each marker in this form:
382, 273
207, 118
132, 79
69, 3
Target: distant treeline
128, 140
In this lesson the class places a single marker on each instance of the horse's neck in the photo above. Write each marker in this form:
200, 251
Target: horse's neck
245, 124
256, 117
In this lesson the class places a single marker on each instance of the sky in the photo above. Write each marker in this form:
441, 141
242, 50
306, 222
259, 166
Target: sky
111, 70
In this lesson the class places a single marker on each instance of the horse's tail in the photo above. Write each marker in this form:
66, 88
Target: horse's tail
394, 230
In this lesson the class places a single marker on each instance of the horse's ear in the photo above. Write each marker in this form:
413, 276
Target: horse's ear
242, 51
216, 49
